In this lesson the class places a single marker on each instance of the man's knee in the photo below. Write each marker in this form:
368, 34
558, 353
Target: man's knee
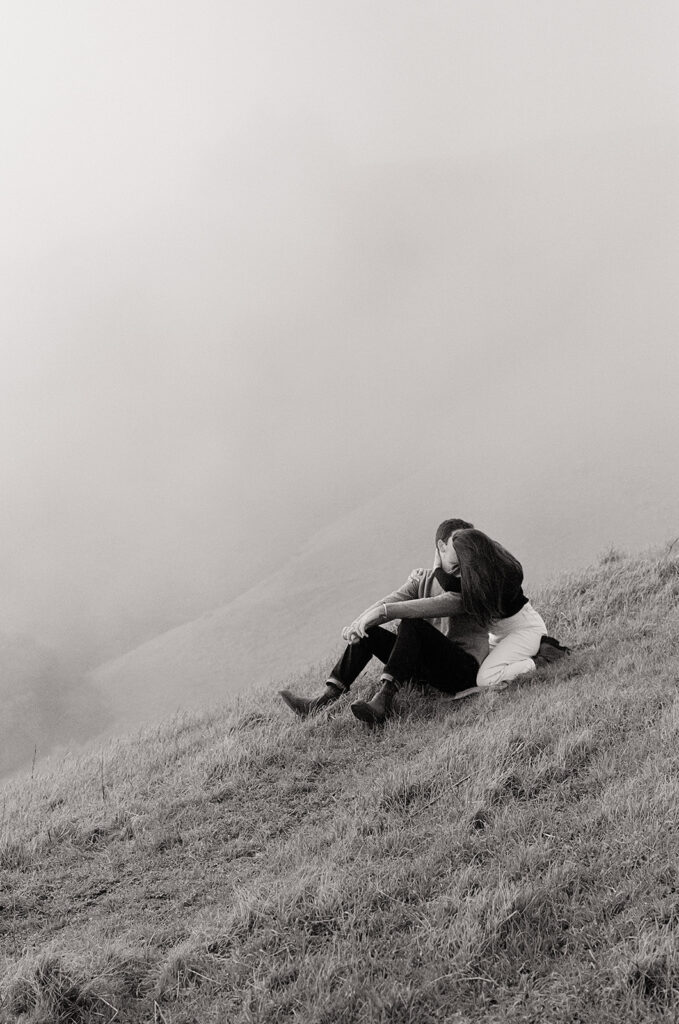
410, 626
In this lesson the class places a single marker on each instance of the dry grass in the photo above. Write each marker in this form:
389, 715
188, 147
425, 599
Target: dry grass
512, 857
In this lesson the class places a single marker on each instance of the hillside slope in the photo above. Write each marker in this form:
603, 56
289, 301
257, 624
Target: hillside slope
293, 616
511, 857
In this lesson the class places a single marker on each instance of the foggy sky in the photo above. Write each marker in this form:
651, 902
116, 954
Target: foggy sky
260, 260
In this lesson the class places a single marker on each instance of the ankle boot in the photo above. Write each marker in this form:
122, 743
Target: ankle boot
550, 650
377, 710
305, 706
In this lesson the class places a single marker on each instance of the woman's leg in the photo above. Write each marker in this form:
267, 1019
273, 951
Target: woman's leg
513, 648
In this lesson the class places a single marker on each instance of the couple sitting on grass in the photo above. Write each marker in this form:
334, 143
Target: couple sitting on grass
465, 625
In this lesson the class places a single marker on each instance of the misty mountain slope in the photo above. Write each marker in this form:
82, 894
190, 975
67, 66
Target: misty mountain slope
291, 618
294, 616
511, 857
43, 703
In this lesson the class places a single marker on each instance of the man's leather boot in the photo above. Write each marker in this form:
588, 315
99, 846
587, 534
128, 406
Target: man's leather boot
376, 711
305, 706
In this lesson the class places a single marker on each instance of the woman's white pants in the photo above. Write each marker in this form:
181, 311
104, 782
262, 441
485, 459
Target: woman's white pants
513, 643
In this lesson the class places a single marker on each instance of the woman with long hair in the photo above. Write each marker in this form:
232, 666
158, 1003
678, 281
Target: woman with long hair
491, 582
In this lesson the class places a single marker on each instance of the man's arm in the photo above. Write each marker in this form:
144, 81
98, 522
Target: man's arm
441, 606
407, 592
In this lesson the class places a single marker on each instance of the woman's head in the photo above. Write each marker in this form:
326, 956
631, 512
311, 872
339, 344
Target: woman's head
486, 571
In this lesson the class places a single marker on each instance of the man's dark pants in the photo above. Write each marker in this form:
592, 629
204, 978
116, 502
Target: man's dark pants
418, 651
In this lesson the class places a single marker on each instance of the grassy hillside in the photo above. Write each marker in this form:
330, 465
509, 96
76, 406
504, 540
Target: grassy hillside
509, 857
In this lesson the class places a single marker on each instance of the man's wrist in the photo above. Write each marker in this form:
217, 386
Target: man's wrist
385, 613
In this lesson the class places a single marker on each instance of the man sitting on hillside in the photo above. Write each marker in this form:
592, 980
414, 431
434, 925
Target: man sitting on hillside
437, 642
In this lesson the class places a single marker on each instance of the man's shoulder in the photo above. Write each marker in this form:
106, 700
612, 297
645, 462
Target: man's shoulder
423, 579
418, 574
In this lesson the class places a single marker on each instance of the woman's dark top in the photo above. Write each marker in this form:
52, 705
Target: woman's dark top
448, 581
512, 597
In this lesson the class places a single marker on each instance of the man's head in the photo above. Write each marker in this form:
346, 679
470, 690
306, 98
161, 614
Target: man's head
444, 542
449, 526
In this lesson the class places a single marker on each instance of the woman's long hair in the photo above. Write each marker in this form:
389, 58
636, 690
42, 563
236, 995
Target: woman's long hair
487, 572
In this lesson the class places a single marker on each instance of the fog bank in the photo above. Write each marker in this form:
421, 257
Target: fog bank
261, 264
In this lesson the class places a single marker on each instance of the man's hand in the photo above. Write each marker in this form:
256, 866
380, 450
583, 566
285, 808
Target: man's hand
350, 634
416, 574
367, 620
359, 628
